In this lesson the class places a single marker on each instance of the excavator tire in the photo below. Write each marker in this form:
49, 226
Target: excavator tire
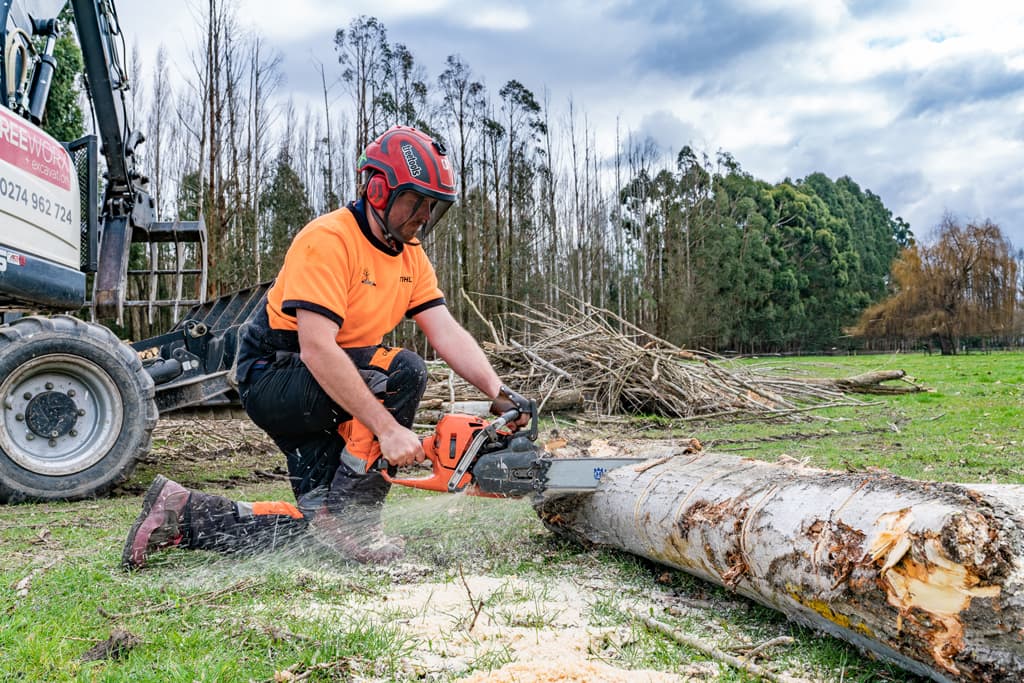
76, 409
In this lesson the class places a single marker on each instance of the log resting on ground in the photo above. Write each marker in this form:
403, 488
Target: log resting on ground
926, 575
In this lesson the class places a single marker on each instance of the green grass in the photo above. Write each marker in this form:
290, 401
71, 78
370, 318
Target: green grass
967, 428
202, 617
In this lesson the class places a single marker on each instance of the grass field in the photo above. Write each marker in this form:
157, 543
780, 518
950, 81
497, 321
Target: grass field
483, 584
969, 426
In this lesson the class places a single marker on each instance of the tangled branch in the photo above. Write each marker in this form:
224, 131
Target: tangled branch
590, 356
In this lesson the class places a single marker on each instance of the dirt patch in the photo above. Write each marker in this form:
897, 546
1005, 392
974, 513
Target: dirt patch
223, 453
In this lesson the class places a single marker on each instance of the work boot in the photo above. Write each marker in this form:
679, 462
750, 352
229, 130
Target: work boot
160, 524
356, 535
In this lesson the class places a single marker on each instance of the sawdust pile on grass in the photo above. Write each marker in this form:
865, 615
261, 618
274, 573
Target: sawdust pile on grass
539, 627
572, 671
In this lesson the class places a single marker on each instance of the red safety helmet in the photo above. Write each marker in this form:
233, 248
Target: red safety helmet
404, 158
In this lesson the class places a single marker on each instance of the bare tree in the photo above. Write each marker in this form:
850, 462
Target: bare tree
462, 109
362, 49
264, 80
158, 125
331, 200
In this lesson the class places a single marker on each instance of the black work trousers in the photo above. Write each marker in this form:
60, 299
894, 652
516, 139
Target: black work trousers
284, 399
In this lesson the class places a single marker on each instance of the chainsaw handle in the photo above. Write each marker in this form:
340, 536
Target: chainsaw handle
436, 481
508, 416
384, 467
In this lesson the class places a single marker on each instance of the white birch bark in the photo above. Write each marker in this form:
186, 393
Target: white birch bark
927, 575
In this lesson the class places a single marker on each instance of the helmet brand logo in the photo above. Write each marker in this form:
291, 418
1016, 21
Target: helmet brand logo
412, 160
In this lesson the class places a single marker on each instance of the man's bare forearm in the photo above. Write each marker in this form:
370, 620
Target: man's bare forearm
460, 350
337, 375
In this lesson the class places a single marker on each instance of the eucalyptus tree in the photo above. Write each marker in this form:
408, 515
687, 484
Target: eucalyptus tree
524, 126
362, 53
404, 97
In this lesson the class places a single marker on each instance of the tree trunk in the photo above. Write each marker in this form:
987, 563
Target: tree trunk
869, 383
927, 575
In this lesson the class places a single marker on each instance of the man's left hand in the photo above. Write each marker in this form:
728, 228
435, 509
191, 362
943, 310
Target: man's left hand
507, 400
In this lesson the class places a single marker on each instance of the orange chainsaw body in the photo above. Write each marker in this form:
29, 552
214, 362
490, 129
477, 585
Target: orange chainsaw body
444, 449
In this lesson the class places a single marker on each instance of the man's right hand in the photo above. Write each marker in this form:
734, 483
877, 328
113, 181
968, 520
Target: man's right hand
401, 447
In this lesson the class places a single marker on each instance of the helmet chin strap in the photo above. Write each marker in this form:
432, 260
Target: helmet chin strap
392, 236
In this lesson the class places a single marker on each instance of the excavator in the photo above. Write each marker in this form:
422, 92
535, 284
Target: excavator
79, 405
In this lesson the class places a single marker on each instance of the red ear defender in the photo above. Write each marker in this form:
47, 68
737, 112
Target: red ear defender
377, 192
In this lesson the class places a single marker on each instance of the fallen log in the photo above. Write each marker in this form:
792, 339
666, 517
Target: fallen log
871, 383
927, 575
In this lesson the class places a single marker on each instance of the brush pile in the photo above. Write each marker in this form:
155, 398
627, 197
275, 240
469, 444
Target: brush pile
590, 359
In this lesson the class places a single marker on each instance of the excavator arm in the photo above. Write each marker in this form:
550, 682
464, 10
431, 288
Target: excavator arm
127, 206
128, 212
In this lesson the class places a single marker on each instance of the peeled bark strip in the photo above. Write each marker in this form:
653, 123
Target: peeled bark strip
927, 575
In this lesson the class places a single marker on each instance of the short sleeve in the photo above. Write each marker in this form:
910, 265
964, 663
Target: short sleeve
427, 292
317, 269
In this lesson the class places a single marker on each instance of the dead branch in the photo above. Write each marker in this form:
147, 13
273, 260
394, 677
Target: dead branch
756, 650
709, 650
476, 605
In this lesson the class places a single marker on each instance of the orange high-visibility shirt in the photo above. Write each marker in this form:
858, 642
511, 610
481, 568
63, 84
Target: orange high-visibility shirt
336, 267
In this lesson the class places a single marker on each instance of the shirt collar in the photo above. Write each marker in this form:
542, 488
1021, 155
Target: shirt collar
358, 209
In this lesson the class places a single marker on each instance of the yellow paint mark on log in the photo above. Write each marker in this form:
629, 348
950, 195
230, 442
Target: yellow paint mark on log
825, 610
838, 618
933, 583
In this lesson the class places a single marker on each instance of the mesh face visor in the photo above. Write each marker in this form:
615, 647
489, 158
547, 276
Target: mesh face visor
441, 207
438, 207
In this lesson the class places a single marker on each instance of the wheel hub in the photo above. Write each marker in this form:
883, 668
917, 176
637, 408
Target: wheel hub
51, 414
60, 414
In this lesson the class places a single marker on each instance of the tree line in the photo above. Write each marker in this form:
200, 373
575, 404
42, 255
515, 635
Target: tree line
685, 245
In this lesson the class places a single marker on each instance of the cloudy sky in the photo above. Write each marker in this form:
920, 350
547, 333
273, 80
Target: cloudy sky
921, 101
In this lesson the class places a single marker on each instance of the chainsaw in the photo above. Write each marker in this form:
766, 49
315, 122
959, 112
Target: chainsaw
468, 454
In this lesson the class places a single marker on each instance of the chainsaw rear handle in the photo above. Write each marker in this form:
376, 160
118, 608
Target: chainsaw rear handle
384, 467
443, 453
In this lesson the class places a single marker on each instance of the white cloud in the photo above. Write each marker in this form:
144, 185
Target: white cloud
920, 101
497, 18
